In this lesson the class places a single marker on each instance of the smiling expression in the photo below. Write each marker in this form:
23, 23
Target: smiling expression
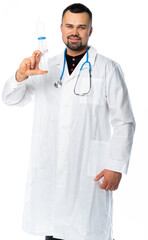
76, 30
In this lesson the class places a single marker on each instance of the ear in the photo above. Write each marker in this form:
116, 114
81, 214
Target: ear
90, 31
61, 27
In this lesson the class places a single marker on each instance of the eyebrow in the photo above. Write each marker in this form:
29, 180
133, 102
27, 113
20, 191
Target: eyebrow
80, 25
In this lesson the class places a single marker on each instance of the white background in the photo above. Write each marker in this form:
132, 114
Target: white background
120, 33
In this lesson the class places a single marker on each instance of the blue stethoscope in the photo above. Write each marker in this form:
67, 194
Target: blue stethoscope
59, 82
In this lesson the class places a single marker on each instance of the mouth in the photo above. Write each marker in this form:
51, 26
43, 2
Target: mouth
74, 39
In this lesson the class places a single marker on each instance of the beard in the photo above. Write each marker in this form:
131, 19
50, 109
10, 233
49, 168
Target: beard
75, 46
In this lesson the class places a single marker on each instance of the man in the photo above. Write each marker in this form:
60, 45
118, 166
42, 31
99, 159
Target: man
76, 163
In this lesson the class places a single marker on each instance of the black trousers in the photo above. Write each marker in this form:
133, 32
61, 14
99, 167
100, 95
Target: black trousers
51, 238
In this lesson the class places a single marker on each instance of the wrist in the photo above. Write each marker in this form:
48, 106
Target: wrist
20, 77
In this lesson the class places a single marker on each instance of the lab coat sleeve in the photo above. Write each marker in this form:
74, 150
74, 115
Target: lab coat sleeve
18, 93
121, 117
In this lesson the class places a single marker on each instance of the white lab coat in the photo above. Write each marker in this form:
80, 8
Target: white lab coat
72, 142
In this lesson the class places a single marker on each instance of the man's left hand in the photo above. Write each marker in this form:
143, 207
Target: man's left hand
111, 179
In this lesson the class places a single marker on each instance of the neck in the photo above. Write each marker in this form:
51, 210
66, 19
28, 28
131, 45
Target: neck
76, 53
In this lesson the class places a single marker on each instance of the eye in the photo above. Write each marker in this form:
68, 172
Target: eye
69, 26
82, 27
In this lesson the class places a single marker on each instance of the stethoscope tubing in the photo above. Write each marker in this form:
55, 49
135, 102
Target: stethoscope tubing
63, 65
59, 82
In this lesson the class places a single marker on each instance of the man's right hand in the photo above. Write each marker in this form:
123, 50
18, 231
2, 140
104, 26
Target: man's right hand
29, 67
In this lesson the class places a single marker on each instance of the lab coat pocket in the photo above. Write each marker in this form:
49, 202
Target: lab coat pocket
97, 92
98, 157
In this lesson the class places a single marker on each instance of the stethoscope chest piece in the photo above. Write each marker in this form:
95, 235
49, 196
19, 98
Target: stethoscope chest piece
58, 84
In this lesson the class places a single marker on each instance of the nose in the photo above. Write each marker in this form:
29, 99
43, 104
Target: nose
75, 31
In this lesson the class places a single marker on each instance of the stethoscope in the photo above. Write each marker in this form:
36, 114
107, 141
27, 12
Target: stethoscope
59, 82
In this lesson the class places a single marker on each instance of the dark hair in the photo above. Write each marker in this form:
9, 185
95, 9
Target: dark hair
78, 8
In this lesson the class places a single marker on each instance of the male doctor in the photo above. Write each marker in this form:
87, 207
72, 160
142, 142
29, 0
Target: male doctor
75, 163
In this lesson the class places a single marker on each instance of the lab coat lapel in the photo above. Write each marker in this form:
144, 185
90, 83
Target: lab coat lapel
66, 77
91, 58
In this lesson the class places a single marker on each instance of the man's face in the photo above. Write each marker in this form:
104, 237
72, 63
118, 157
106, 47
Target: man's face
76, 30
